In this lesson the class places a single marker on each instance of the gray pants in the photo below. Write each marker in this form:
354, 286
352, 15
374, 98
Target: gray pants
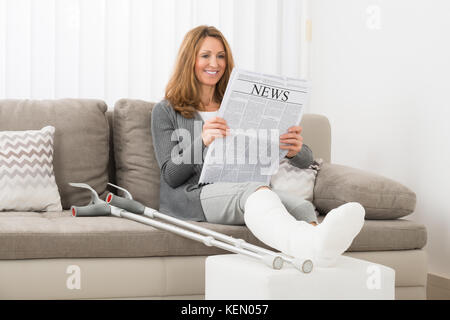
224, 202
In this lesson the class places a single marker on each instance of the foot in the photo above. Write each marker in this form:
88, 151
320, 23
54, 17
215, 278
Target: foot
336, 232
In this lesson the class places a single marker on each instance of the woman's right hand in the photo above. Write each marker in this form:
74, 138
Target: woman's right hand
214, 128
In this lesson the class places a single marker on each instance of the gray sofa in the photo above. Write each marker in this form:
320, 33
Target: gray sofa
118, 258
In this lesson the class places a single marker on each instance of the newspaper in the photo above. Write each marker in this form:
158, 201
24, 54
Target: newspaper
258, 108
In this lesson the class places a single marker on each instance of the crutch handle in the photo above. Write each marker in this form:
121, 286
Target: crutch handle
92, 210
126, 204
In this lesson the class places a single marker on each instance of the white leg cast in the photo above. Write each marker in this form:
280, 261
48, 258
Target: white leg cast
337, 231
268, 219
270, 222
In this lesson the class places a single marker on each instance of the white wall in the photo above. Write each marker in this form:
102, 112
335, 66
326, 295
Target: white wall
385, 86
112, 49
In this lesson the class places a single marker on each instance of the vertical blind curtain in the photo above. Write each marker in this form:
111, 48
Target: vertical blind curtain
112, 49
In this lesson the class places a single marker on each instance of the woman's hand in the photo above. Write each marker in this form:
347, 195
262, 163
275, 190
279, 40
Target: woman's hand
214, 128
292, 141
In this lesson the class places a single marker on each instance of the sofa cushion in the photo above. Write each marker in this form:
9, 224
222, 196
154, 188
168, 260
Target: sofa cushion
386, 235
28, 235
382, 198
80, 142
27, 178
136, 166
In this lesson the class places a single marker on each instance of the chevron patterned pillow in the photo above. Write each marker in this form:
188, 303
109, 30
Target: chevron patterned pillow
27, 180
299, 182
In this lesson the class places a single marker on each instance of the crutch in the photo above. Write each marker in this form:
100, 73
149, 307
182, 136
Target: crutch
98, 207
209, 237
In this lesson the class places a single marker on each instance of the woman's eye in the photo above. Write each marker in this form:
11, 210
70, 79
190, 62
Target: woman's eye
205, 56
221, 57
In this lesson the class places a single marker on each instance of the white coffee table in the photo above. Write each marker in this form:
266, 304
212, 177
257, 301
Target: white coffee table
238, 277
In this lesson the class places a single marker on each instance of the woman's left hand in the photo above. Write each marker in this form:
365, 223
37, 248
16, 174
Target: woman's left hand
292, 141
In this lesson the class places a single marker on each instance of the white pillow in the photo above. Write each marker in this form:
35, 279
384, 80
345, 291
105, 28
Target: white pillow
27, 180
299, 182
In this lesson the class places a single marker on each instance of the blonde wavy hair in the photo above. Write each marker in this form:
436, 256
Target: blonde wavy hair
183, 89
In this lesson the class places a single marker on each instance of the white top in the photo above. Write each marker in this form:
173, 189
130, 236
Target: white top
206, 115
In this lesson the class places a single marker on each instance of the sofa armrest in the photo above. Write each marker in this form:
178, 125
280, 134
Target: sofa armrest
381, 197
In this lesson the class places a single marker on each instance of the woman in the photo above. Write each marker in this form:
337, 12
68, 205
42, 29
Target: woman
193, 96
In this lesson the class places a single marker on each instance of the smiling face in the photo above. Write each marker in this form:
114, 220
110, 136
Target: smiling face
210, 62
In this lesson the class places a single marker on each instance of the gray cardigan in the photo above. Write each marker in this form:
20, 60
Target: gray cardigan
179, 187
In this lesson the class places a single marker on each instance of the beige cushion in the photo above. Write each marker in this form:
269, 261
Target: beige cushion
28, 235
316, 135
386, 235
27, 178
81, 140
381, 197
136, 166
